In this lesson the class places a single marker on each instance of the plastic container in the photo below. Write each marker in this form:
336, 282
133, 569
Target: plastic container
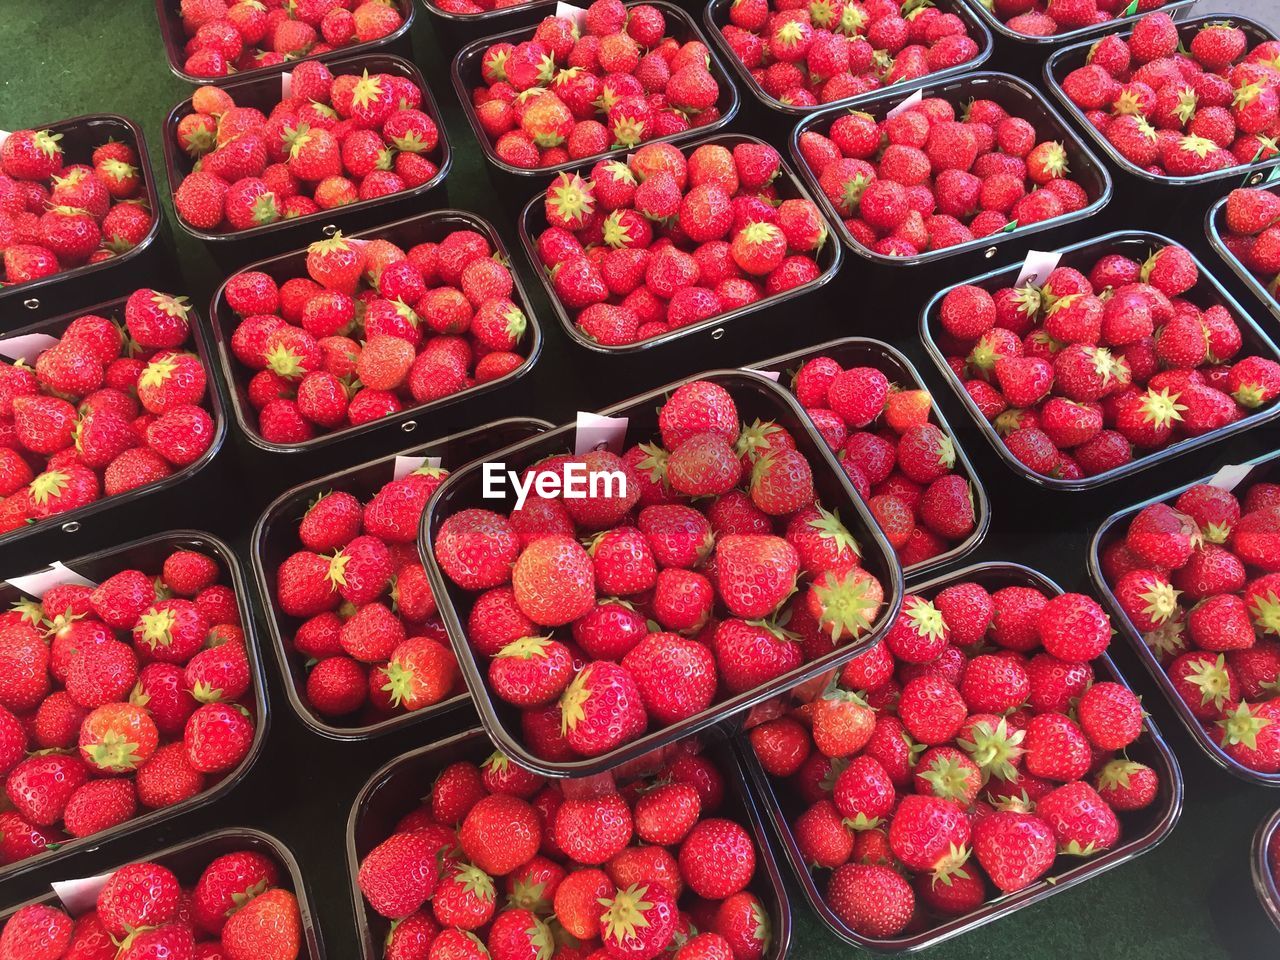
1264, 881
135, 509
275, 537
189, 859
235, 248
455, 30
49, 296
175, 40
715, 17
680, 25
1136, 244
1016, 96
1143, 829
1175, 8
1063, 61
865, 352
533, 220
404, 233
148, 554
1113, 528
755, 396
399, 786
1214, 223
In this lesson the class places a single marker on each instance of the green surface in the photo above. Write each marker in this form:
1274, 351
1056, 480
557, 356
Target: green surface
1191, 898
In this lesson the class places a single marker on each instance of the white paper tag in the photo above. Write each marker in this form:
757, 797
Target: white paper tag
1229, 477
771, 374
406, 465
80, 896
1038, 265
595, 431
4, 135
575, 14
57, 575
26, 348
286, 84
906, 104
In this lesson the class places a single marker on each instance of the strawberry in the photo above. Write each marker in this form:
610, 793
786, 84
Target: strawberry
675, 676
872, 900
399, 874
217, 737
602, 708
1015, 849
531, 672
268, 927
36, 932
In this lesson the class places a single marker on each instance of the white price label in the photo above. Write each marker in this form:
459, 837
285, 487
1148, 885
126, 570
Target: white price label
4, 135
595, 431
80, 896
406, 465
1229, 477
906, 104
286, 84
57, 575
771, 374
576, 14
26, 348
1038, 265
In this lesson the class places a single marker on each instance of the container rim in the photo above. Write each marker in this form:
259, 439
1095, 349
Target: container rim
716, 713
1264, 345
570, 326
262, 715
174, 159
1143, 652
262, 585
958, 87
996, 909
172, 44
1246, 276
152, 198
712, 14
72, 520
1068, 36
981, 503
232, 370
1264, 881
671, 12
1057, 62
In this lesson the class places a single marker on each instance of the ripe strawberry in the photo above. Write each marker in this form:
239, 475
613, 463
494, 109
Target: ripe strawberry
268, 927
602, 709
872, 900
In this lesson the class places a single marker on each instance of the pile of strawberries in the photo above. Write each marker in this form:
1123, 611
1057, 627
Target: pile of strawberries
56, 216
226, 36
1200, 581
830, 50
923, 179
660, 242
497, 862
955, 760
712, 572
468, 7
106, 409
368, 630
333, 141
1085, 373
1182, 112
119, 697
235, 910
896, 457
1043, 18
573, 92
1252, 220
372, 330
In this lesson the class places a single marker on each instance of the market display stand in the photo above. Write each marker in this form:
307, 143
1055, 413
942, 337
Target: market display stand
1190, 898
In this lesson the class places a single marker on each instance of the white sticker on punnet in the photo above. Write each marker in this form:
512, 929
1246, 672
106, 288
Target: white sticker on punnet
80, 896
4, 135
286, 84
771, 374
57, 575
596, 432
1038, 265
569, 12
26, 348
1229, 477
406, 465
906, 104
